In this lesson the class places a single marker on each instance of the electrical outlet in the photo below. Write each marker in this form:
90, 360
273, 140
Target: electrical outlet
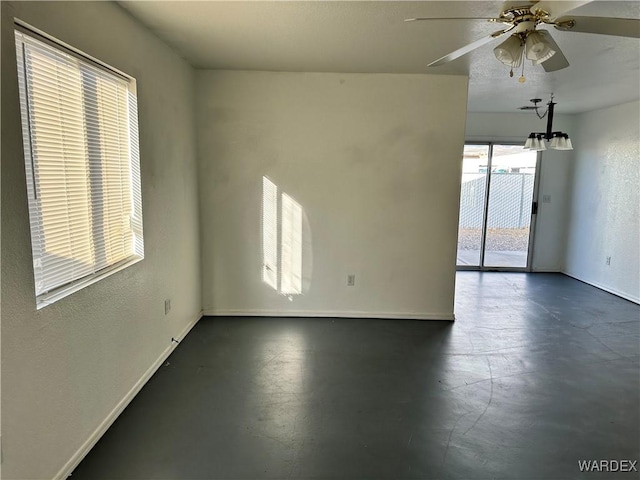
608, 260
546, 198
351, 280
167, 306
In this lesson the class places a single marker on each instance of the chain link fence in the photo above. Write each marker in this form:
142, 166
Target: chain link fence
509, 203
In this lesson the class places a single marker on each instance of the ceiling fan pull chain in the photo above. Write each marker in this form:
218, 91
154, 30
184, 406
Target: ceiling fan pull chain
522, 79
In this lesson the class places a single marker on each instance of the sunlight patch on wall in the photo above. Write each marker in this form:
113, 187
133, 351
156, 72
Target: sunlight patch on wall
291, 247
270, 233
283, 242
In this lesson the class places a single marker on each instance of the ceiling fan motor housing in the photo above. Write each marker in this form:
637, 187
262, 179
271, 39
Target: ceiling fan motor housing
525, 26
522, 18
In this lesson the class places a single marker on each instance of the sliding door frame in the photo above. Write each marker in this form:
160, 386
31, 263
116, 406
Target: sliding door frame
532, 224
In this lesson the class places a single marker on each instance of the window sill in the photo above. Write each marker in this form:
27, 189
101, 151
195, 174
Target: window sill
66, 290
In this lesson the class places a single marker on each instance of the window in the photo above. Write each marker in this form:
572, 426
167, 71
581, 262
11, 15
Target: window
80, 135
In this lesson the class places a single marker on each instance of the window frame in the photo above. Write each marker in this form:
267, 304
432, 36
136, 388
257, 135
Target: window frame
135, 250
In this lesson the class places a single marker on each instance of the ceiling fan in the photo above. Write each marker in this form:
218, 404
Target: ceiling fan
521, 20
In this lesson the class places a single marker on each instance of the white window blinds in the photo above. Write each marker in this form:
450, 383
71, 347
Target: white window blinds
80, 132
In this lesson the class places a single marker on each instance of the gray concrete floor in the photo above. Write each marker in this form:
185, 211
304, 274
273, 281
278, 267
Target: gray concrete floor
539, 371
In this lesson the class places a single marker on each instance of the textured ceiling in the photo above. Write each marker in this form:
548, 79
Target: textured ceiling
371, 37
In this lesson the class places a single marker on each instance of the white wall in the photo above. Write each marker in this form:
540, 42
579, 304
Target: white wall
605, 219
66, 367
374, 160
555, 178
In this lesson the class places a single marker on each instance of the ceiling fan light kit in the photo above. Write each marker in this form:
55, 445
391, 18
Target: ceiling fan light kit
530, 43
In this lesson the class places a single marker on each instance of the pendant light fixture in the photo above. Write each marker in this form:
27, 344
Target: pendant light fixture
536, 140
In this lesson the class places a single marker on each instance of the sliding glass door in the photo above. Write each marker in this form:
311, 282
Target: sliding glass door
473, 197
497, 203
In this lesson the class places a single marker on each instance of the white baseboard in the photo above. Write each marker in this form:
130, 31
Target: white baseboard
328, 314
75, 460
606, 288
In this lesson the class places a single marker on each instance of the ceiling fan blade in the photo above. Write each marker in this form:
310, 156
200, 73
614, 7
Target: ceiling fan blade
558, 61
419, 19
620, 27
469, 48
557, 7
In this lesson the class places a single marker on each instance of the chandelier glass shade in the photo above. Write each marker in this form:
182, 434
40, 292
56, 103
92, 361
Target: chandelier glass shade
561, 142
535, 142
